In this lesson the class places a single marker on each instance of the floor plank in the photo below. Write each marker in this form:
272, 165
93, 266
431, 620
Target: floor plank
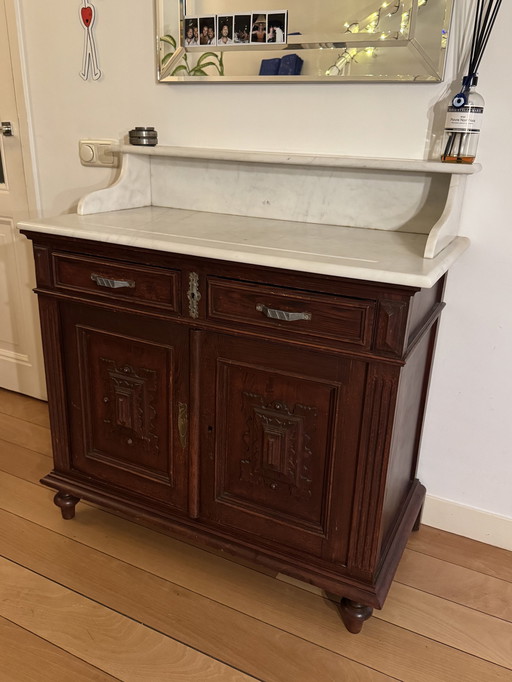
465, 629
21, 432
25, 657
32, 466
108, 640
463, 551
28, 409
456, 584
393, 650
235, 638
439, 623
23, 463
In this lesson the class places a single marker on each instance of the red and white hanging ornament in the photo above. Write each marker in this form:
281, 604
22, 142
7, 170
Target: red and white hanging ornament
90, 60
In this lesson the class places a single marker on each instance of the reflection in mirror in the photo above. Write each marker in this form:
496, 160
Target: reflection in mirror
330, 40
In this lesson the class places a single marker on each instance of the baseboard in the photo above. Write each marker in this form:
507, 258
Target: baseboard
477, 524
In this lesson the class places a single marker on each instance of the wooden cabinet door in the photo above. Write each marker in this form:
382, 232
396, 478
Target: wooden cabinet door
279, 434
127, 390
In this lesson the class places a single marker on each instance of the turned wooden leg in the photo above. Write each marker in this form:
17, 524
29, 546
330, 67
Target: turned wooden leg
67, 504
354, 614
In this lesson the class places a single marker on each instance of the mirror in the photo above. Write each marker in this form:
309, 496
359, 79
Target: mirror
301, 41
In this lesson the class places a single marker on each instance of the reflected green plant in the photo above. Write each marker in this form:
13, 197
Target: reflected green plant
186, 69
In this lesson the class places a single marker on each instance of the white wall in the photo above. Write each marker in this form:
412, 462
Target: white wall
466, 446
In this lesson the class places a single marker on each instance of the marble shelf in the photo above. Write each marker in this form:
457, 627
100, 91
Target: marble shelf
298, 159
403, 195
388, 220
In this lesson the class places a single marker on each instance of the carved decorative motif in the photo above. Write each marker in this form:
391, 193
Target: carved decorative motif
392, 319
129, 396
277, 445
193, 295
183, 423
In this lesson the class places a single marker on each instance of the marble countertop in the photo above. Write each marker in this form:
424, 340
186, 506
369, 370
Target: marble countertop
376, 255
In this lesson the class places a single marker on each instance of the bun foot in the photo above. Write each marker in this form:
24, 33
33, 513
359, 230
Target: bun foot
354, 615
67, 504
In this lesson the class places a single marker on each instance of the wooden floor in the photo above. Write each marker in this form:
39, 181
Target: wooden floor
100, 598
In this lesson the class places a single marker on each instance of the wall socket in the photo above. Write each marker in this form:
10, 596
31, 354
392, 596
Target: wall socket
98, 153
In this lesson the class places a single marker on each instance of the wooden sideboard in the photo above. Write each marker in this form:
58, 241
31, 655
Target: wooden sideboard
271, 413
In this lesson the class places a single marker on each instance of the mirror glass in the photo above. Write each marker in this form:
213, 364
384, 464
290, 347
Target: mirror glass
298, 40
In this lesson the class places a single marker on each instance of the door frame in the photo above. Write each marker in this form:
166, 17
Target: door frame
23, 372
24, 127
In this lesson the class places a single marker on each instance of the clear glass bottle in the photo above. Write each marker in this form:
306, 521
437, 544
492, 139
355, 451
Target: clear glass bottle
463, 124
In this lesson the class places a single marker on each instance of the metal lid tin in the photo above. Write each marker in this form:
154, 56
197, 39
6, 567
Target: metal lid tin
144, 136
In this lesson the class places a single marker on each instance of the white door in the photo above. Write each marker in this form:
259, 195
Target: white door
21, 366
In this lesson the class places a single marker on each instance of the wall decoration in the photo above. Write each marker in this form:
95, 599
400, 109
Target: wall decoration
277, 27
235, 29
191, 36
225, 30
259, 28
207, 34
242, 28
90, 66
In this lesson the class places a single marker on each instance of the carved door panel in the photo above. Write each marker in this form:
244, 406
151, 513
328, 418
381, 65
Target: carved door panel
127, 382
279, 431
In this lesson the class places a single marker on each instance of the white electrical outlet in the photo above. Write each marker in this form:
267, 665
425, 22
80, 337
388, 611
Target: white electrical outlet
98, 153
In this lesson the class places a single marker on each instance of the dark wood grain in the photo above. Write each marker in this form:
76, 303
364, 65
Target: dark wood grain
342, 320
148, 285
293, 444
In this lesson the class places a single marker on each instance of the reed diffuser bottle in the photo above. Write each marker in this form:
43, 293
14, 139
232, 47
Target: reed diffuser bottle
465, 113
463, 124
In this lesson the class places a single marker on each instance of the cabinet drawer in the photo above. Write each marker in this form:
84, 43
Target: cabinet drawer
344, 320
117, 280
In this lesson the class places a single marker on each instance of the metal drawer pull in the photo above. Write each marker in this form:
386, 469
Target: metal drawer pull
112, 283
282, 314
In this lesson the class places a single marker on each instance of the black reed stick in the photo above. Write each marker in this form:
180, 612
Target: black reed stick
486, 12
486, 35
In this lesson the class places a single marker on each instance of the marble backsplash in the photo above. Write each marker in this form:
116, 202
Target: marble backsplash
369, 198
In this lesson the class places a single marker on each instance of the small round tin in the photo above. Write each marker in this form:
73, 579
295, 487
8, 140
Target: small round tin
146, 137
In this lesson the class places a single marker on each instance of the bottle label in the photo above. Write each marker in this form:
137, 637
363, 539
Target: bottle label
464, 119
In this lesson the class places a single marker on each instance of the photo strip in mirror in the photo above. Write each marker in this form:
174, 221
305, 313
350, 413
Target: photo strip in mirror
207, 30
242, 29
260, 28
191, 32
277, 28
225, 30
